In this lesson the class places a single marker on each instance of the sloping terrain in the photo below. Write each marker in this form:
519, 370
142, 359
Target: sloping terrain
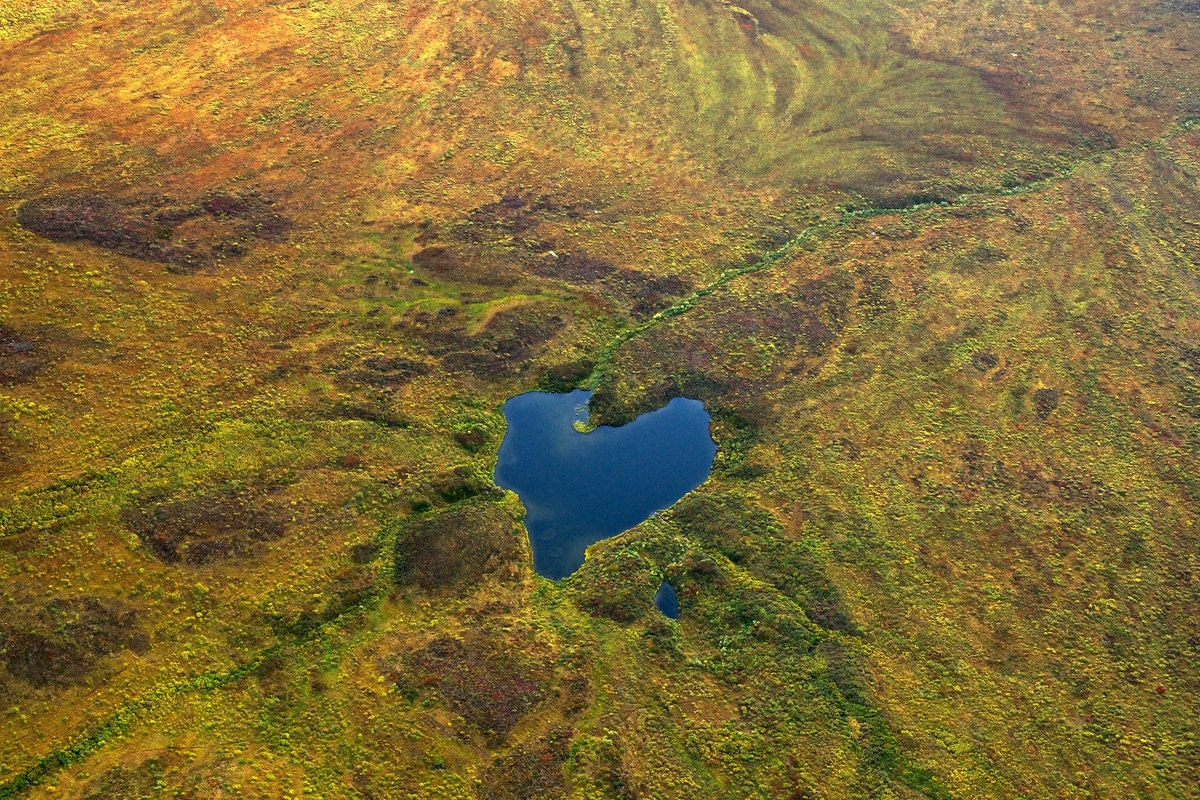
269, 270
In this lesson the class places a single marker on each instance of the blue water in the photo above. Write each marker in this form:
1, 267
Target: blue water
579, 488
665, 600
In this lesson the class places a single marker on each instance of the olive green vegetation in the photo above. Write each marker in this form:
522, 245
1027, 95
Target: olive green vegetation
268, 272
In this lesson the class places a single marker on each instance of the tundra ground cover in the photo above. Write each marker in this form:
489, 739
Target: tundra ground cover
269, 270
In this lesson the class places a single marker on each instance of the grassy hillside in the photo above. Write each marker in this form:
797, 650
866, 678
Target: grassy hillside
269, 270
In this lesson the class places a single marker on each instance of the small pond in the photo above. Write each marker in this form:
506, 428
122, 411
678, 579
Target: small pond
579, 488
665, 600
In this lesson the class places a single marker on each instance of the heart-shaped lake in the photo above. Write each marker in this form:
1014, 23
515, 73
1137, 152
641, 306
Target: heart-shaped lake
579, 488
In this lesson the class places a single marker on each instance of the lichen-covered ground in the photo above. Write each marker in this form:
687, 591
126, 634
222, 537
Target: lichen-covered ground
270, 268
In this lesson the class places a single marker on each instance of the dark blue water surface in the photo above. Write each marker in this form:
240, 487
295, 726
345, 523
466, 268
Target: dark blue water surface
579, 488
665, 600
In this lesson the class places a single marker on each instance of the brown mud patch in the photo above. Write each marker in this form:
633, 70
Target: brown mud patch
534, 768
510, 339
1045, 401
22, 356
382, 372
514, 215
453, 264
186, 236
984, 361
473, 439
488, 683
568, 375
363, 552
61, 643
647, 294
499, 242
454, 550
226, 525
574, 267
644, 294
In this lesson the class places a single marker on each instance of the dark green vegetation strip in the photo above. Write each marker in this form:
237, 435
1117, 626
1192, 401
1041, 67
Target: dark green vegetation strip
119, 723
122, 720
